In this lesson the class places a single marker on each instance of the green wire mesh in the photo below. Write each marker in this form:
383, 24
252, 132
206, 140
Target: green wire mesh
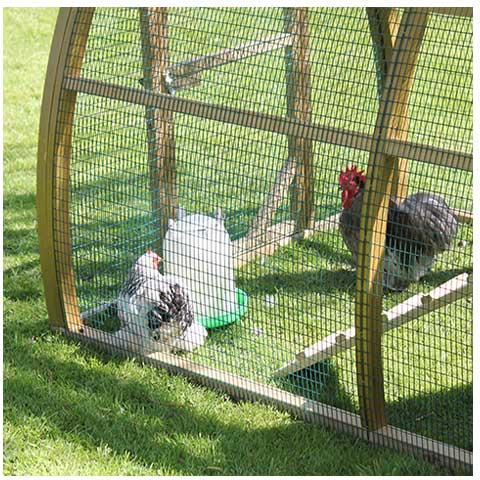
305, 290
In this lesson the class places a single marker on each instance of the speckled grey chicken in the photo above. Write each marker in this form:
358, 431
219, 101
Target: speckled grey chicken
157, 310
418, 229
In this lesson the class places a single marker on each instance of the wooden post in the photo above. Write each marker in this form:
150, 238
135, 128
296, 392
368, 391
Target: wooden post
384, 24
160, 126
368, 304
53, 169
299, 107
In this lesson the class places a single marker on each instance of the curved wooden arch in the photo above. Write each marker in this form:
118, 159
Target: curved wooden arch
55, 138
384, 24
382, 170
53, 167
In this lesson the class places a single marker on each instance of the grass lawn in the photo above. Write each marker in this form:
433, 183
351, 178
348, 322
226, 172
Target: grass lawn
72, 410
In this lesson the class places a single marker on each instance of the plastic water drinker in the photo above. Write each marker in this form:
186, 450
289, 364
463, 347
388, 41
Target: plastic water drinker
198, 250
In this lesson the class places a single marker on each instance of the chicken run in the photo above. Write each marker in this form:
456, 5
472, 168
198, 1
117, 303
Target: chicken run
276, 202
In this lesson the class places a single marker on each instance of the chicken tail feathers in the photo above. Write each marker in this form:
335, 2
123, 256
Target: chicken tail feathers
432, 221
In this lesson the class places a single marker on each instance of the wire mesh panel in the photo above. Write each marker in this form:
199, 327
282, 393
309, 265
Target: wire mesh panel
428, 362
276, 200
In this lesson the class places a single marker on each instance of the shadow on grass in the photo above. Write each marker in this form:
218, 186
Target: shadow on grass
319, 281
446, 415
160, 427
319, 382
20, 280
327, 250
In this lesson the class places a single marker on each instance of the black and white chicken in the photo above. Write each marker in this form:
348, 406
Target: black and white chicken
418, 229
156, 310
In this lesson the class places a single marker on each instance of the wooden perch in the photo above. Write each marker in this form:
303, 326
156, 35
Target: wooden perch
182, 75
463, 215
276, 236
412, 308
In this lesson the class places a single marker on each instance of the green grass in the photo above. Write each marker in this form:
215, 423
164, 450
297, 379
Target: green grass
69, 409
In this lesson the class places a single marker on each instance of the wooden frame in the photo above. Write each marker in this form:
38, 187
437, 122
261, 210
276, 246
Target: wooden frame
298, 90
188, 74
53, 168
373, 226
296, 175
388, 151
455, 11
384, 25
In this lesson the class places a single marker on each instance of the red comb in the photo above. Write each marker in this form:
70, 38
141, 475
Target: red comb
351, 173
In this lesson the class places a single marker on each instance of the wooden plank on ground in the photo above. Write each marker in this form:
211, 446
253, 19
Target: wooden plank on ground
239, 387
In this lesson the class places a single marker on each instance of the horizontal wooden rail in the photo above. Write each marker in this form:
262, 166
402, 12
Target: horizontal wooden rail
181, 75
455, 11
412, 308
310, 410
273, 123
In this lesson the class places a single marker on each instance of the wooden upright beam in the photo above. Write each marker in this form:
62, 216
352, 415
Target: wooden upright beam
298, 87
297, 173
160, 126
381, 170
384, 24
53, 169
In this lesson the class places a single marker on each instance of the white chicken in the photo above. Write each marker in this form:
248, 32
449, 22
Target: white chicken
156, 311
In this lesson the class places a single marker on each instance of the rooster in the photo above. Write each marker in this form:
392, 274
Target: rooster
156, 309
418, 229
